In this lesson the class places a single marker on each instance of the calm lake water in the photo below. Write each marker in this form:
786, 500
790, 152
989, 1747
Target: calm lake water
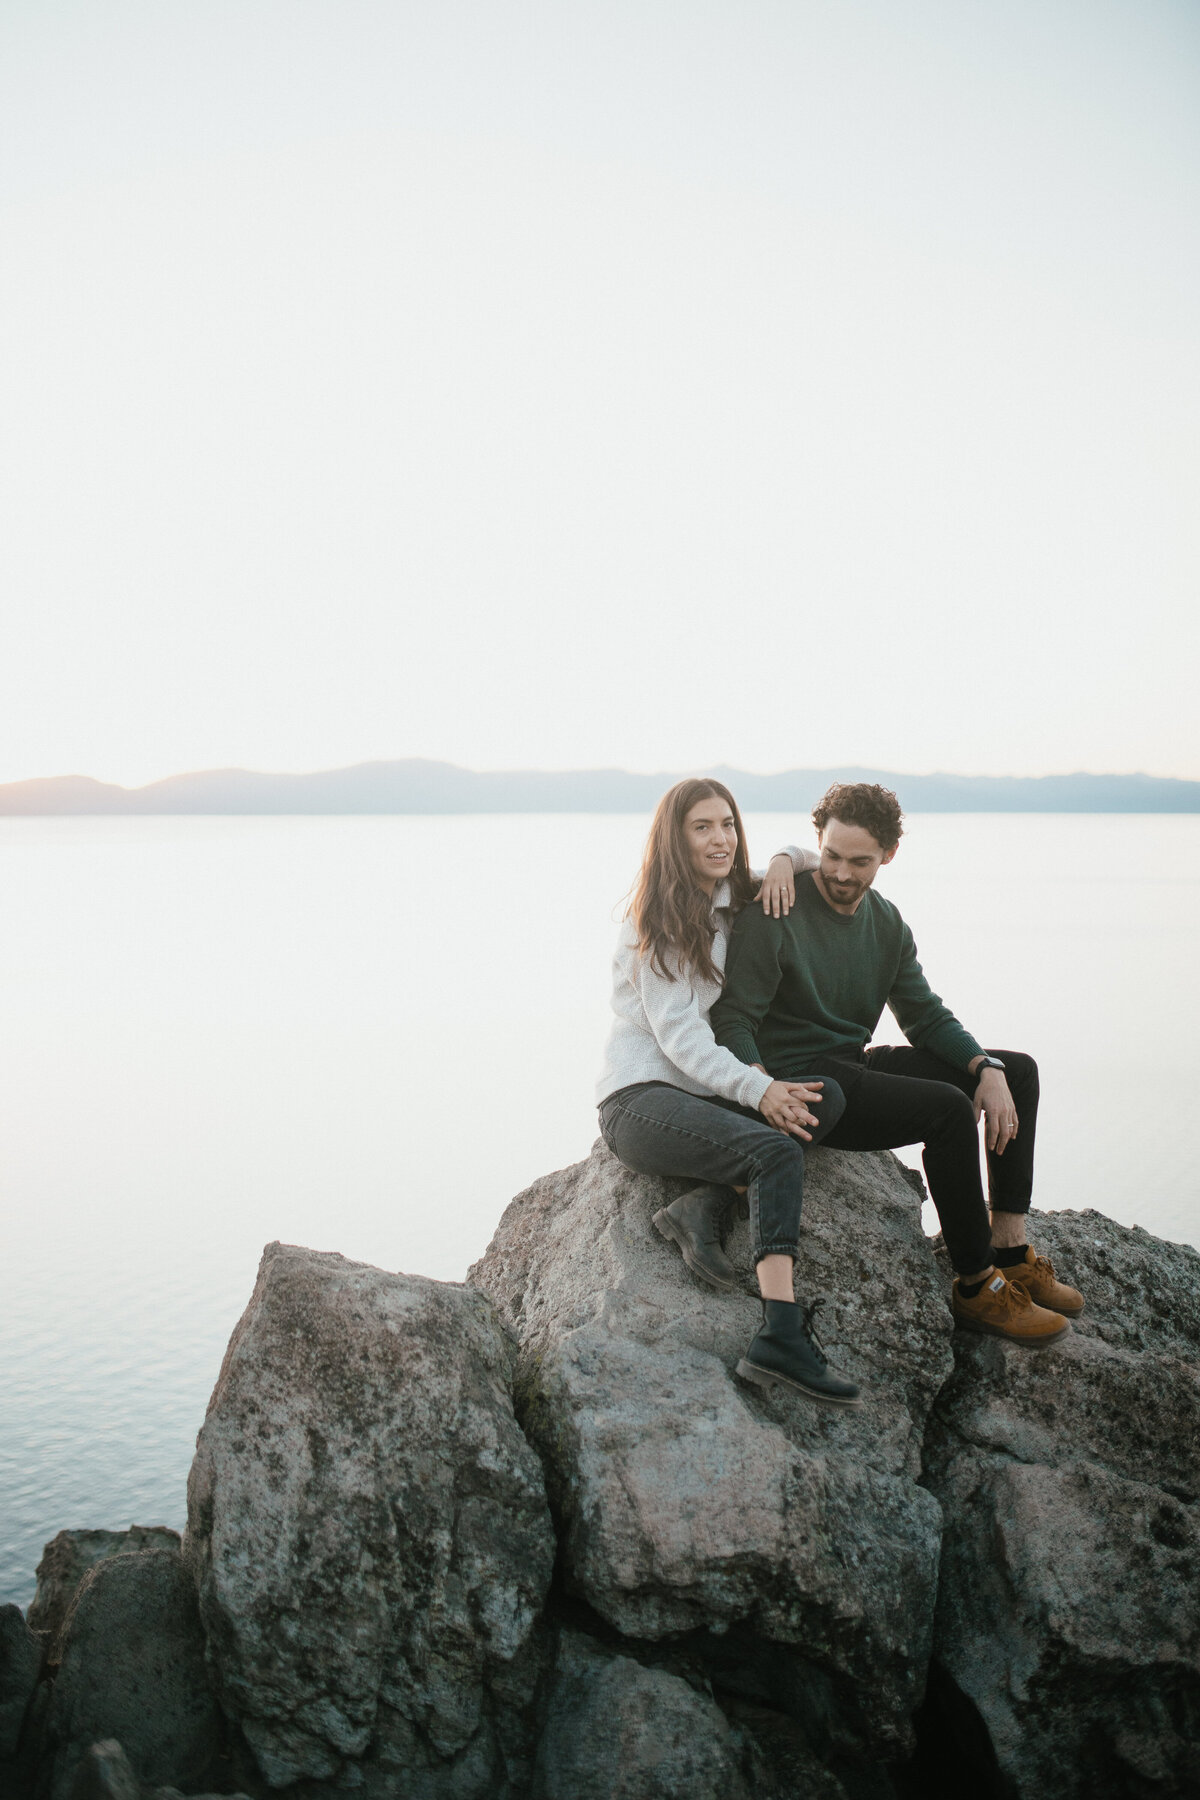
367, 1034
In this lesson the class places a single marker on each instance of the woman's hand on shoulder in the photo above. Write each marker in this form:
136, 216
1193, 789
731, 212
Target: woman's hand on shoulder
787, 1105
778, 891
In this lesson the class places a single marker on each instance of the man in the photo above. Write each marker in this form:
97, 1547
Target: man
803, 994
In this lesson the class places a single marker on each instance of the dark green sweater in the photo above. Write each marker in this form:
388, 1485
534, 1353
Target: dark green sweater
813, 985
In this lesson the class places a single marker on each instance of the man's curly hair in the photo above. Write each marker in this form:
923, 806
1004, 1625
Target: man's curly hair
863, 803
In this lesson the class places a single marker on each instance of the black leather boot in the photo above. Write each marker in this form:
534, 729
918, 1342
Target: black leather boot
694, 1223
788, 1350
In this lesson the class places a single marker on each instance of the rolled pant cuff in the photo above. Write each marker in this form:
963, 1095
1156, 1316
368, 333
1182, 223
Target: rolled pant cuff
792, 1250
1019, 1207
969, 1264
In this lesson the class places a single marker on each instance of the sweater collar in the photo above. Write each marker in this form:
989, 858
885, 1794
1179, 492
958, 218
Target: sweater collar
722, 898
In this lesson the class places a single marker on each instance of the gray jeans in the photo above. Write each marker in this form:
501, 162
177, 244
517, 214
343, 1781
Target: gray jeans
661, 1130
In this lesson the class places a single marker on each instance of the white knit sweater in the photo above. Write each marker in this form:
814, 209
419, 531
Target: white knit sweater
661, 1030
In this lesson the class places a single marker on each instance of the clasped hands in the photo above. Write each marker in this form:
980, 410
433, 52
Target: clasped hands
787, 1105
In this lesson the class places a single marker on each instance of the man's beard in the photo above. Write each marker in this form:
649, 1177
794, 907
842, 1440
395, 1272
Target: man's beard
844, 891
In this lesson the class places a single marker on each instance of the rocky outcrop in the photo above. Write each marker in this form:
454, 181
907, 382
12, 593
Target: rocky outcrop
368, 1531
1069, 1611
133, 1669
995, 1560
689, 1503
67, 1559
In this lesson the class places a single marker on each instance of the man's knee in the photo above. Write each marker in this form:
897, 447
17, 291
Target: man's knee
953, 1113
1021, 1073
833, 1105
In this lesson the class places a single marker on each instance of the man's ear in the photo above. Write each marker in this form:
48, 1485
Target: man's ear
888, 855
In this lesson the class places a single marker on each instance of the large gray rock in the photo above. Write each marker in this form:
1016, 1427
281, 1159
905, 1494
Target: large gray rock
1069, 1611
20, 1663
369, 1534
690, 1502
617, 1731
67, 1559
133, 1670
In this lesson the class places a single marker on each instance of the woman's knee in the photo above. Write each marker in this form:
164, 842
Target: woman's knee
780, 1155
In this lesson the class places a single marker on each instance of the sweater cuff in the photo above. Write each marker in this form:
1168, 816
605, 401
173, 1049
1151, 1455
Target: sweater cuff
754, 1086
958, 1048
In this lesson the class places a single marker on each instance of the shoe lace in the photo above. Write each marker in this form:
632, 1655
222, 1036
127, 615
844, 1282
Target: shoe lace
807, 1315
1019, 1294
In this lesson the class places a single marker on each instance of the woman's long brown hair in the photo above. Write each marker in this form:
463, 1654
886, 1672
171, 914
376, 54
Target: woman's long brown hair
671, 913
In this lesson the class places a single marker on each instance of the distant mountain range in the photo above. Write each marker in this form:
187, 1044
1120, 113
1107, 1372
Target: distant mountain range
417, 786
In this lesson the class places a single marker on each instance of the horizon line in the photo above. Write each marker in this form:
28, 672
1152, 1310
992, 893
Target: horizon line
718, 768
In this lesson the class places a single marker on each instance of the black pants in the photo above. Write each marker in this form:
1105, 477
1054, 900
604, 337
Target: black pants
897, 1095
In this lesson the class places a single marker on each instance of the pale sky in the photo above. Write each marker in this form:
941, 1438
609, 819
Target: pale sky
599, 382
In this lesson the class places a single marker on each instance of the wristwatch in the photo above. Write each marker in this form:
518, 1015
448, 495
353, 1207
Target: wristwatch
988, 1062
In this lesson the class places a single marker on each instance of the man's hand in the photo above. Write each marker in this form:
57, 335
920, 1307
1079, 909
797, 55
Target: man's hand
993, 1100
787, 1106
778, 891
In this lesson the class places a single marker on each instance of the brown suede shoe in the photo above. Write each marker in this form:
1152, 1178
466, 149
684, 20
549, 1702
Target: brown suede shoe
1036, 1275
1003, 1309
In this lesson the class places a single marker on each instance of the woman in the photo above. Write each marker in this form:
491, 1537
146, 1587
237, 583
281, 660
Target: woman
675, 1102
